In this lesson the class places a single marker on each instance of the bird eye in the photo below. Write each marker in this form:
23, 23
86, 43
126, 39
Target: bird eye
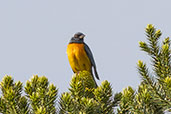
75, 35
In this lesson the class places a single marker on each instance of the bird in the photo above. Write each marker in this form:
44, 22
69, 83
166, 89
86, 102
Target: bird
80, 56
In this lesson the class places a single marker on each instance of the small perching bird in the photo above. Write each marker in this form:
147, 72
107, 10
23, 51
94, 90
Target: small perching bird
80, 56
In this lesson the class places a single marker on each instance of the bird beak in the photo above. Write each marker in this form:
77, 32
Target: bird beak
82, 36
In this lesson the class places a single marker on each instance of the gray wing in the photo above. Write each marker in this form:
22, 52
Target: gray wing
90, 56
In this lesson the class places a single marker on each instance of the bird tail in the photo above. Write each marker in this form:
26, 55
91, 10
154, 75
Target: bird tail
96, 74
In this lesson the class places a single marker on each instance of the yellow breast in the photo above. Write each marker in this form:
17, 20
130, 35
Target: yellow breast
78, 58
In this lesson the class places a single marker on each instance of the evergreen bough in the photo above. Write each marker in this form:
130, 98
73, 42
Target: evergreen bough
154, 93
84, 98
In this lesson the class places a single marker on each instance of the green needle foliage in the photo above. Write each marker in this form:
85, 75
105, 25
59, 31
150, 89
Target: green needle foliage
11, 101
84, 98
158, 83
153, 95
41, 95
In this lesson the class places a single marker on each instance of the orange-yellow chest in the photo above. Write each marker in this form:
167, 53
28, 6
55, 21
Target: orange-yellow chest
78, 58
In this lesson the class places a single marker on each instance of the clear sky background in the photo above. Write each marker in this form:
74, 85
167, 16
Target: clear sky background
34, 35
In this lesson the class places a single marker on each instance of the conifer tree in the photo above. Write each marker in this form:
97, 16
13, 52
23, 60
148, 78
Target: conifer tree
11, 101
40, 97
84, 98
153, 95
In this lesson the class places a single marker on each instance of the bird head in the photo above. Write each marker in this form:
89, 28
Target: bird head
79, 35
77, 38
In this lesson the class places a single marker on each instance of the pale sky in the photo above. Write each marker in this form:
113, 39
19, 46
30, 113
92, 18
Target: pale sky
34, 35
